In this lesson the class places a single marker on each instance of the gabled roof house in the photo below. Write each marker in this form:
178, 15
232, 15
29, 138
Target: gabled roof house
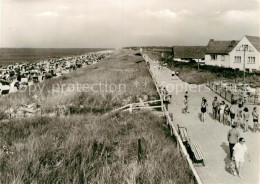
246, 54
217, 52
235, 54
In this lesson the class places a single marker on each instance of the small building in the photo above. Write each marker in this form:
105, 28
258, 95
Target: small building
217, 52
231, 54
251, 53
188, 53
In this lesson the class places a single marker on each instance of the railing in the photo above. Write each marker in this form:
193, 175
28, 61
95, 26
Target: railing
134, 106
174, 132
230, 96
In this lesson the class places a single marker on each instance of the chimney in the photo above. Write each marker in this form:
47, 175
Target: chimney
232, 43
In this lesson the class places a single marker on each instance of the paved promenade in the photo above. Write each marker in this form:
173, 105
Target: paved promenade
211, 135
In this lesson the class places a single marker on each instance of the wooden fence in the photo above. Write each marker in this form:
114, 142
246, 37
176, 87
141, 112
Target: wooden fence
230, 96
141, 105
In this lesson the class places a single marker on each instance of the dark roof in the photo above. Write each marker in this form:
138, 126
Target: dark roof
193, 52
220, 47
255, 41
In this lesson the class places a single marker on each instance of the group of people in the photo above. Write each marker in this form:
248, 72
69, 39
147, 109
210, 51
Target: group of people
174, 74
226, 114
235, 113
222, 111
204, 106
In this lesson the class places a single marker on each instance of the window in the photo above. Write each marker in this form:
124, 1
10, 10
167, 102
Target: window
237, 59
213, 57
251, 60
222, 58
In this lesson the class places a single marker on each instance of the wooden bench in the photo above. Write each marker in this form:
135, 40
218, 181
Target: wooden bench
183, 134
197, 153
192, 147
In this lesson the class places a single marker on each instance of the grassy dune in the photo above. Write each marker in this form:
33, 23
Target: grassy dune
189, 73
119, 70
91, 149
88, 146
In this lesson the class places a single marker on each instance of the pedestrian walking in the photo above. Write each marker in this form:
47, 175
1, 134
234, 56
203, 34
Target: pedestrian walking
240, 101
240, 150
232, 112
226, 114
215, 105
246, 119
166, 98
186, 93
232, 138
185, 104
218, 111
255, 119
221, 112
239, 115
164, 91
166, 102
203, 109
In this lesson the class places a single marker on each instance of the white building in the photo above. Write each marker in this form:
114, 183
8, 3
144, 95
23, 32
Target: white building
217, 52
252, 54
230, 54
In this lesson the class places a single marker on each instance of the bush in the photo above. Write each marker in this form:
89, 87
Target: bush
189, 73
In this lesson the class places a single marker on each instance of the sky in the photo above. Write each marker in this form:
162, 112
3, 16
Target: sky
120, 23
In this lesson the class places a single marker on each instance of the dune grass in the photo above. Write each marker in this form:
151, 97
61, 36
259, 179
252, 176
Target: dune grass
122, 72
89, 146
91, 149
211, 73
